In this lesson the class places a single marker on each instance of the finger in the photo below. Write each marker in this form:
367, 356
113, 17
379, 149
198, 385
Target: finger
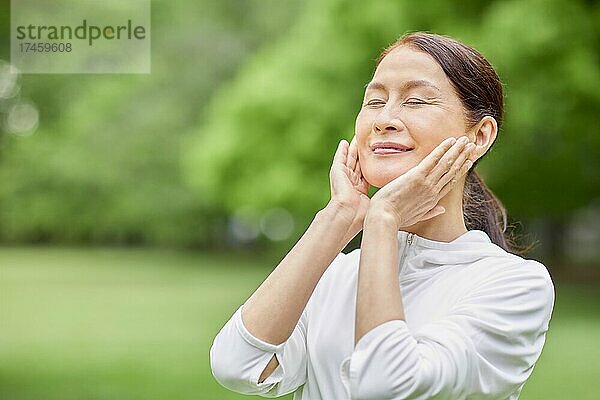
452, 173
341, 152
357, 169
450, 185
352, 154
434, 212
431, 160
362, 180
448, 159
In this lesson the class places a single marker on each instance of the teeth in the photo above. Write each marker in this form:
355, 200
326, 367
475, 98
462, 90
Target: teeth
389, 150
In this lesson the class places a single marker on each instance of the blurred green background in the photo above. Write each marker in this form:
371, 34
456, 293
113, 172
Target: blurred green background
138, 211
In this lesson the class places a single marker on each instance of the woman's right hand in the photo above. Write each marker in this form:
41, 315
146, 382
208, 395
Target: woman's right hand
349, 189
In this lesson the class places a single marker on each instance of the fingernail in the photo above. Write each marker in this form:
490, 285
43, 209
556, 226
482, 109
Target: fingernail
453, 140
469, 163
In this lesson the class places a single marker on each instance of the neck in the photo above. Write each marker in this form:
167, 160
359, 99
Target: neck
447, 226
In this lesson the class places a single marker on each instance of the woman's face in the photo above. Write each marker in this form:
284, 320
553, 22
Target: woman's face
409, 102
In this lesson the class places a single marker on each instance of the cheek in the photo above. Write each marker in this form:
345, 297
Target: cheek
362, 125
430, 129
362, 130
427, 126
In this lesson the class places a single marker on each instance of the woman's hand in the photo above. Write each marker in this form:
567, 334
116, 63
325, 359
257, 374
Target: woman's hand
349, 189
414, 196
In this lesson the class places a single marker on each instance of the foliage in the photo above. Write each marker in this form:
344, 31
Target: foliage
104, 165
247, 101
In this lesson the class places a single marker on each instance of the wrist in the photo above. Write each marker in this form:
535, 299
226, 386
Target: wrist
338, 214
379, 216
336, 222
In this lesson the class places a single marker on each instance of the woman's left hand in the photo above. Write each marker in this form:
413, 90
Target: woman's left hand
414, 196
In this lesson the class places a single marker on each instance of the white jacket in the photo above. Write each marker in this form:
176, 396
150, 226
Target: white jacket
476, 319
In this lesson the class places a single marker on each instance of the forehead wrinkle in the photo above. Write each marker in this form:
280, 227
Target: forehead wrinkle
411, 84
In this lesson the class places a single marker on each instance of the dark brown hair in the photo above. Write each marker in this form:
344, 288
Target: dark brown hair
479, 88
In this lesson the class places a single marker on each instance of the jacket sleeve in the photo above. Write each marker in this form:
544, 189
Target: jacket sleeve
485, 348
237, 359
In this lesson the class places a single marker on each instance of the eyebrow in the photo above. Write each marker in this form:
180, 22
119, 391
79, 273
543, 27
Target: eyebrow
374, 85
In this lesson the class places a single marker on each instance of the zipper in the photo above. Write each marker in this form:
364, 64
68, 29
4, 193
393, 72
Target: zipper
409, 240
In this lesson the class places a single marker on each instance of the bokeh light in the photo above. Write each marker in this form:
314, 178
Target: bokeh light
22, 118
277, 224
243, 226
9, 81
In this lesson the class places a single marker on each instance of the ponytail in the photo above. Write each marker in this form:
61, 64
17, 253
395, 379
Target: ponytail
483, 211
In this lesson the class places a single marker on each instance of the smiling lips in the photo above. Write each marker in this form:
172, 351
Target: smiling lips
389, 148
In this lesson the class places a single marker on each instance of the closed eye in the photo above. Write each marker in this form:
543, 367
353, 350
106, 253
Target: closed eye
415, 102
374, 103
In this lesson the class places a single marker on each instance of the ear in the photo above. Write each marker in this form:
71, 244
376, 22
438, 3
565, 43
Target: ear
483, 135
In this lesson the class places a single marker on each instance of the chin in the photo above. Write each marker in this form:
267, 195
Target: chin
379, 177
379, 171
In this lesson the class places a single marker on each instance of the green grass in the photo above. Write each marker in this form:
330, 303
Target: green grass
138, 324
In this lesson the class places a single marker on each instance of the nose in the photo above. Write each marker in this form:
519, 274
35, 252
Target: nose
385, 122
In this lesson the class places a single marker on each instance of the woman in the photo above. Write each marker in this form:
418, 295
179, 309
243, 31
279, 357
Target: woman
434, 304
